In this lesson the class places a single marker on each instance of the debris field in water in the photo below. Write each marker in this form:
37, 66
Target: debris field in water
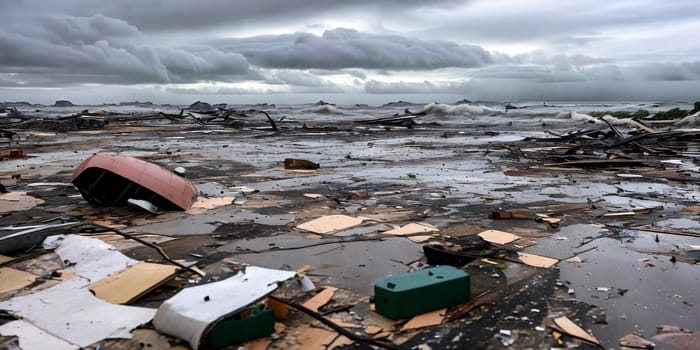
579, 232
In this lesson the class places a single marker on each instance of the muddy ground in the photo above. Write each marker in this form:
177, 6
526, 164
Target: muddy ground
451, 175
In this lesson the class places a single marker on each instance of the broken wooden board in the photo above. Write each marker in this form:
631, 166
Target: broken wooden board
204, 204
693, 209
372, 330
130, 284
411, 228
420, 239
537, 260
314, 195
4, 259
320, 299
12, 279
636, 341
433, 318
257, 344
572, 329
330, 223
314, 338
498, 237
300, 164
522, 214
17, 201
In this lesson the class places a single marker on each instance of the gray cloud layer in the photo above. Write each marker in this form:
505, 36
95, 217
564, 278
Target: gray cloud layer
587, 47
347, 48
99, 49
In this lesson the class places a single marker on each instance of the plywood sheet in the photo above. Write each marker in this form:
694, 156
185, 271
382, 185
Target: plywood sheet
537, 260
133, 282
420, 239
428, 319
12, 279
572, 329
17, 201
498, 237
330, 223
411, 228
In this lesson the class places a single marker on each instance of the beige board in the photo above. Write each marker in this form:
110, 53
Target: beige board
420, 239
572, 329
537, 260
320, 299
411, 229
204, 204
330, 223
314, 338
498, 237
129, 284
12, 279
17, 201
427, 319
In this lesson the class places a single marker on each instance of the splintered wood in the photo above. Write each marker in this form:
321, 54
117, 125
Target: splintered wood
320, 299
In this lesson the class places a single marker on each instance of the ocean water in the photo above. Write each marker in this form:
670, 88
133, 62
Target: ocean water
434, 112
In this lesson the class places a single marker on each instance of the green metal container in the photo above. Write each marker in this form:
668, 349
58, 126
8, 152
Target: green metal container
235, 330
413, 293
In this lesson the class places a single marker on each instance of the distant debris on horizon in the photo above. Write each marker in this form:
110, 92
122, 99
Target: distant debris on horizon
200, 106
463, 101
399, 104
63, 103
136, 103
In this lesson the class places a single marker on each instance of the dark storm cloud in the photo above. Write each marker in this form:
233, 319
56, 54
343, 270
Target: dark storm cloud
95, 48
347, 48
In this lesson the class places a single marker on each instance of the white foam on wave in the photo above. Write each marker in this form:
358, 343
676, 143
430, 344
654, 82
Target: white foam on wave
443, 109
691, 121
324, 109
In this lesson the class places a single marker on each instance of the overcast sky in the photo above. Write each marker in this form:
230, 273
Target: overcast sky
287, 51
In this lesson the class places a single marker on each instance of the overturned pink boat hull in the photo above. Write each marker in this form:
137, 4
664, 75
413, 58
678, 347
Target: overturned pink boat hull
110, 179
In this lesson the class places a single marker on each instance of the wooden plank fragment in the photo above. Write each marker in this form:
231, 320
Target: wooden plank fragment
12, 279
133, 282
537, 260
572, 329
320, 299
411, 228
427, 319
498, 237
330, 223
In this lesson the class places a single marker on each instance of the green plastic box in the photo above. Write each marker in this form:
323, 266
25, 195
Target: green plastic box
413, 293
235, 330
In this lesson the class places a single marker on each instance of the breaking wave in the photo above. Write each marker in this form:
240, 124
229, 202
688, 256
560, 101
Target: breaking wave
324, 109
445, 109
